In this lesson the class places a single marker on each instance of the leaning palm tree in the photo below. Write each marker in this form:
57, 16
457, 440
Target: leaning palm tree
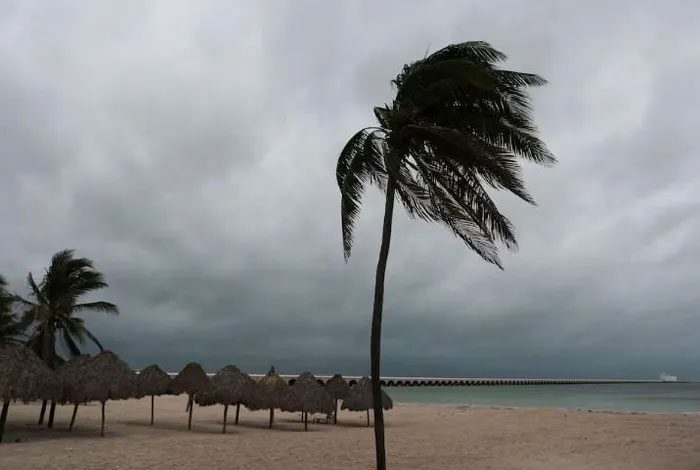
10, 327
53, 303
457, 125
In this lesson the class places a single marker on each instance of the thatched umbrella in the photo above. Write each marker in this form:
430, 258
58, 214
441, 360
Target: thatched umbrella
308, 396
338, 389
193, 381
72, 378
360, 398
106, 377
153, 381
229, 386
24, 376
270, 392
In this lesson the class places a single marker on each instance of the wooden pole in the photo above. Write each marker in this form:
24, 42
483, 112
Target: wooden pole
102, 432
52, 412
272, 415
43, 412
306, 421
152, 409
335, 415
238, 410
72, 418
3, 416
189, 419
225, 417
367, 418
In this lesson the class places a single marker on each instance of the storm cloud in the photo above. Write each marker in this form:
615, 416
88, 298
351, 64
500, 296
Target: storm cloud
189, 148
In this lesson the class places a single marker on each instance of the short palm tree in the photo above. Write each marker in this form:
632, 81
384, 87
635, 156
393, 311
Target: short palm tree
457, 126
10, 327
54, 302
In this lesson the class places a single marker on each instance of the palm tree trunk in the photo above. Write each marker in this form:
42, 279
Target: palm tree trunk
225, 417
376, 338
152, 409
306, 421
43, 412
335, 415
72, 418
52, 411
272, 416
238, 410
3, 416
102, 430
189, 419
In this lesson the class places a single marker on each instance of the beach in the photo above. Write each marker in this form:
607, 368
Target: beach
418, 437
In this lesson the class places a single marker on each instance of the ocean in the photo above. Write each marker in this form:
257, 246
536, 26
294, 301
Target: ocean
646, 397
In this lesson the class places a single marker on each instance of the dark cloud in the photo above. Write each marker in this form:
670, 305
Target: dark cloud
190, 150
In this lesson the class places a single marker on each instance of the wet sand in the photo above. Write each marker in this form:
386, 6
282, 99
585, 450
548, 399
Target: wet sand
418, 437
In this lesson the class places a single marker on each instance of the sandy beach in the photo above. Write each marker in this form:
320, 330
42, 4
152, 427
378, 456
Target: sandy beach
419, 437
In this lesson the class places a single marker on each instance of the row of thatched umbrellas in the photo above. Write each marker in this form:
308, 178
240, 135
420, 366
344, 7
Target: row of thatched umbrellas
23, 376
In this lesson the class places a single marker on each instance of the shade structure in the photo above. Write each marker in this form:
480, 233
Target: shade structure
271, 392
360, 398
153, 381
338, 389
23, 376
229, 386
191, 380
72, 377
308, 396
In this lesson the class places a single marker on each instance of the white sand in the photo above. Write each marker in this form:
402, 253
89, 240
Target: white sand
419, 437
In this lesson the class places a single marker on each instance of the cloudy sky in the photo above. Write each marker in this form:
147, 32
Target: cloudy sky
189, 148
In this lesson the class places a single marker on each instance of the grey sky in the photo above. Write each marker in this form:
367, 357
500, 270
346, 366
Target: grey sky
189, 148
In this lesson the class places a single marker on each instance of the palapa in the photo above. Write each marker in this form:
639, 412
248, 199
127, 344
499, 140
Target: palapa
72, 377
360, 398
23, 376
338, 389
191, 380
308, 396
229, 386
271, 392
153, 381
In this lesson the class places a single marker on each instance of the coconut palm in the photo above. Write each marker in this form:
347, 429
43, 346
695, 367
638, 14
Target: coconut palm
53, 303
457, 126
10, 327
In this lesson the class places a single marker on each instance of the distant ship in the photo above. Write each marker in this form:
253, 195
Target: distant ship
667, 378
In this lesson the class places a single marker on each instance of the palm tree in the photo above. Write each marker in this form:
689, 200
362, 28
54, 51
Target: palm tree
457, 125
10, 327
54, 301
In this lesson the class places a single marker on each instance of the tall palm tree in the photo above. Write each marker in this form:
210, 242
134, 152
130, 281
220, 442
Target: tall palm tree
457, 126
10, 327
54, 302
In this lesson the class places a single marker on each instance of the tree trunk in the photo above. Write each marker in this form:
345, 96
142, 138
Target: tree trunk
152, 409
102, 430
3, 416
272, 416
72, 418
189, 419
52, 411
306, 421
43, 412
376, 338
238, 410
335, 414
225, 418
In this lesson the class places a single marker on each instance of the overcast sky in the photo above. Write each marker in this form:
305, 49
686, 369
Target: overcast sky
189, 148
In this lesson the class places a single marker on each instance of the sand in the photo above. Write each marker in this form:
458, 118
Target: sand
419, 437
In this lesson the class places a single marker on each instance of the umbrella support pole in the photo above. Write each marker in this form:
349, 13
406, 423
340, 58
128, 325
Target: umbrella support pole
102, 430
152, 408
3, 416
306, 421
42, 413
52, 412
272, 415
223, 431
238, 410
72, 418
189, 419
335, 414
367, 418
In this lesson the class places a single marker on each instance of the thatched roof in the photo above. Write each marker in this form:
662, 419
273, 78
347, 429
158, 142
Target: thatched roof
337, 387
106, 377
72, 376
23, 376
360, 397
191, 380
228, 387
270, 392
153, 381
309, 396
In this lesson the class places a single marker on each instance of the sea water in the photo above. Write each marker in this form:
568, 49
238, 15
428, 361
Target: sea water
647, 397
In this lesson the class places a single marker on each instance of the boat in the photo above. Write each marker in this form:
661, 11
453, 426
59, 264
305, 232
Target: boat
664, 377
